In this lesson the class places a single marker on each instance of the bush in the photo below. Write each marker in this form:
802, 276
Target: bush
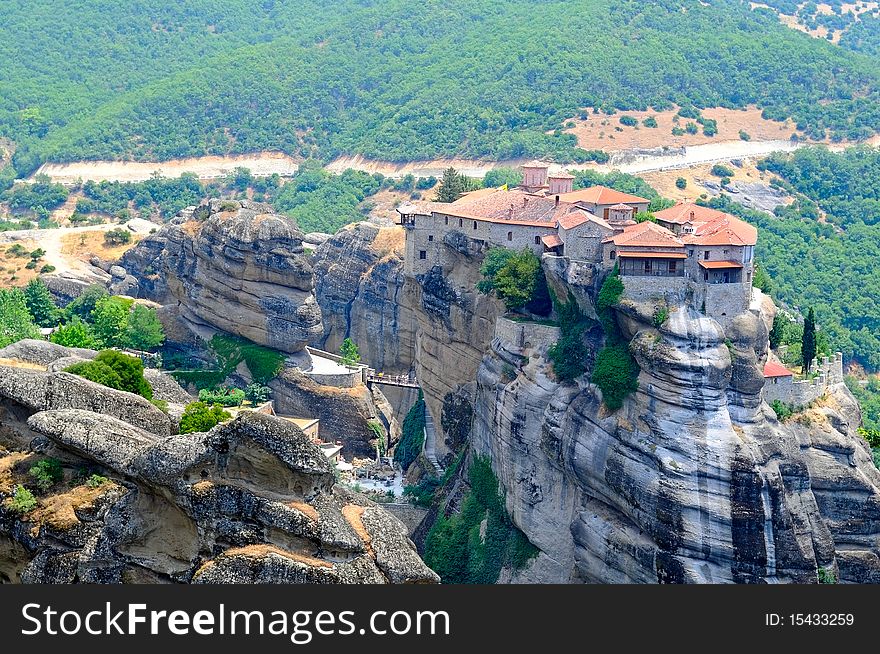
100, 373
517, 278
681, 183
460, 551
143, 331
48, 268
781, 409
720, 170
162, 405
349, 352
222, 396
660, 316
23, 501
616, 373
744, 135
650, 121
94, 481
422, 494
117, 236
130, 370
569, 354
46, 474
412, 437
629, 121
257, 393
200, 417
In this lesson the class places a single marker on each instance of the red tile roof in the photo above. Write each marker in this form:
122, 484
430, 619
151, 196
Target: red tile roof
560, 175
646, 234
601, 195
711, 227
579, 217
714, 265
773, 369
551, 240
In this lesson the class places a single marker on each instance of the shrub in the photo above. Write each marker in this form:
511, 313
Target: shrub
677, 131
87, 301
691, 128
681, 183
412, 437
117, 236
826, 576
422, 493
48, 268
143, 331
629, 121
130, 370
257, 393
616, 373
96, 480
744, 135
650, 121
660, 316
569, 354
23, 501
46, 474
781, 409
720, 170
517, 278
200, 417
458, 548
100, 373
222, 396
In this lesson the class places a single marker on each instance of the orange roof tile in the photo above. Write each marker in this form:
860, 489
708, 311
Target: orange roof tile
773, 369
711, 227
579, 217
688, 212
646, 234
551, 240
560, 175
716, 265
601, 195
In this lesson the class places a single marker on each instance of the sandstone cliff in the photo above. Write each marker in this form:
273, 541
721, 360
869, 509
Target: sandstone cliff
250, 501
359, 284
692, 480
234, 266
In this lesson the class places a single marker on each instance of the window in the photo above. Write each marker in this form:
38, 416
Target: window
705, 276
475, 224
706, 255
447, 220
690, 252
612, 255
647, 265
430, 237
537, 240
509, 236
672, 267
460, 222
423, 254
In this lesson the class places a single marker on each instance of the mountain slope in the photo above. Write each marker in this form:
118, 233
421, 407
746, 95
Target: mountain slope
390, 80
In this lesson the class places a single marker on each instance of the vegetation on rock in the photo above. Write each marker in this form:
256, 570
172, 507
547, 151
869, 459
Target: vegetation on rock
198, 417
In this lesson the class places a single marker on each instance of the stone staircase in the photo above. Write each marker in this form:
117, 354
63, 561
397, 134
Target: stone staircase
430, 440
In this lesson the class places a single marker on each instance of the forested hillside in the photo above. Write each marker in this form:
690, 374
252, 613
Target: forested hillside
396, 80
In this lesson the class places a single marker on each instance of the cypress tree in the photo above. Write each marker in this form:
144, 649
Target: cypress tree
808, 341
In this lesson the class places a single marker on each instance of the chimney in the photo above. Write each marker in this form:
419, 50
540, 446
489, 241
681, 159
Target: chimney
525, 202
692, 215
556, 204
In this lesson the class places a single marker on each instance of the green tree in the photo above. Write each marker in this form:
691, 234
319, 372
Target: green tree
75, 333
118, 236
501, 176
412, 436
110, 320
15, 319
452, 186
40, 303
130, 370
519, 281
98, 372
777, 332
808, 340
495, 260
761, 280
681, 183
201, 417
143, 330
349, 352
83, 305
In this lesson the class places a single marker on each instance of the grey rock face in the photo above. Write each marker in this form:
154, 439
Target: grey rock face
237, 267
359, 284
251, 501
42, 352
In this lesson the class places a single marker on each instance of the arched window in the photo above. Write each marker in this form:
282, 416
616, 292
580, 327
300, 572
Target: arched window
447, 220
509, 236
537, 240
612, 255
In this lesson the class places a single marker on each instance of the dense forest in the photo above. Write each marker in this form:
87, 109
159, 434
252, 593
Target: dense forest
397, 80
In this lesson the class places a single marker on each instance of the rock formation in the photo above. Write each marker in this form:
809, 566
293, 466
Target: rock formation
359, 283
250, 501
692, 480
233, 266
